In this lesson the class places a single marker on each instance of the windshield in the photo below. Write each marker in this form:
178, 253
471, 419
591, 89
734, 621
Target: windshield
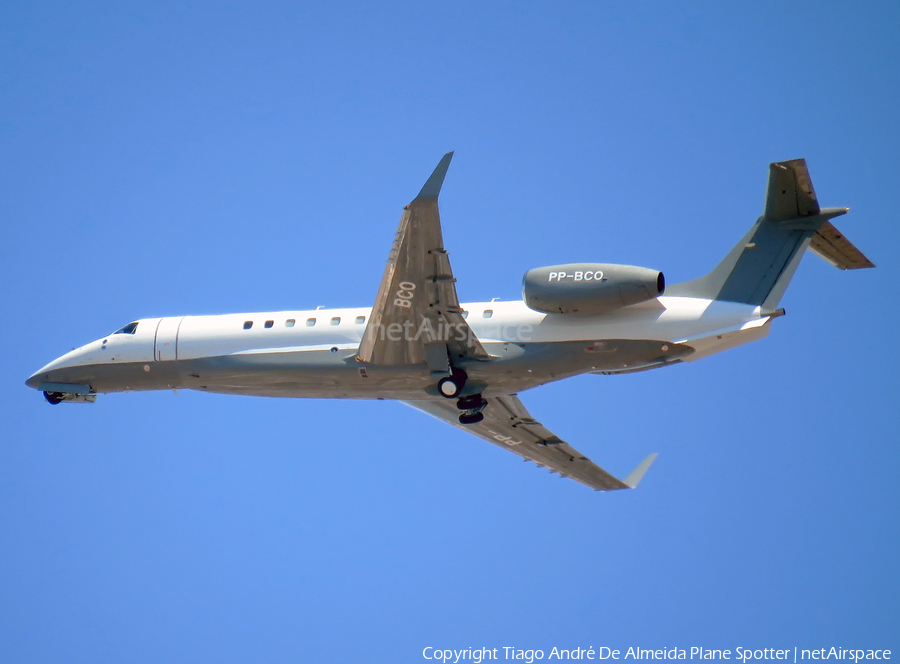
128, 329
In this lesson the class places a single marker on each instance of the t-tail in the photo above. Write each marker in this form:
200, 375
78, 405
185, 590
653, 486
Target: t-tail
757, 271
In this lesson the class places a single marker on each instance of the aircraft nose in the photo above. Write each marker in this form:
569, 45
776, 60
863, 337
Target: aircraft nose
34, 380
48, 373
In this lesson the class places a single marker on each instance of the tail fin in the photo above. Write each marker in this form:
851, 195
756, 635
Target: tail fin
758, 270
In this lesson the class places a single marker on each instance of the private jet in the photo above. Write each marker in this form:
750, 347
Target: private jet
466, 364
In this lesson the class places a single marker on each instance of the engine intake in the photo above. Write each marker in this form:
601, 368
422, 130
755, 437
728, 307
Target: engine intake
590, 288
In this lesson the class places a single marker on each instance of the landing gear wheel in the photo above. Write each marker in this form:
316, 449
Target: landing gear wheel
450, 386
471, 418
471, 407
473, 402
53, 398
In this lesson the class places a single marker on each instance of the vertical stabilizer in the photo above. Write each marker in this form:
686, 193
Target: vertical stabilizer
790, 193
757, 271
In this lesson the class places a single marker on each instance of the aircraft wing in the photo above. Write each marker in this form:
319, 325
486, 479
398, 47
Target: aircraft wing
508, 424
416, 317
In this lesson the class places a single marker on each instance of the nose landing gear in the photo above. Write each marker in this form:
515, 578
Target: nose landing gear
56, 398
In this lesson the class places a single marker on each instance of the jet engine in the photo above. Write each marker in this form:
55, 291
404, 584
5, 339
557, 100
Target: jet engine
589, 288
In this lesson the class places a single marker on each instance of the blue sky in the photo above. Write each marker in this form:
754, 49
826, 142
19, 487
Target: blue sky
179, 158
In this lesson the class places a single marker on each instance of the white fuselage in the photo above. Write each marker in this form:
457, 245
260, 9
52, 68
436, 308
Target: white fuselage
312, 353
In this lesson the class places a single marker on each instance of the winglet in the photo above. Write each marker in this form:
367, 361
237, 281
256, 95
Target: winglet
433, 186
634, 479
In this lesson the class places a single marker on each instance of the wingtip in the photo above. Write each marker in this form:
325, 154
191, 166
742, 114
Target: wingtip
432, 187
638, 473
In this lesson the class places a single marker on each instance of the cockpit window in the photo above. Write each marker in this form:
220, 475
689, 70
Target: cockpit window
128, 329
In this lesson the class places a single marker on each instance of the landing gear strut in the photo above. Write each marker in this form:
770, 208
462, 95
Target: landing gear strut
471, 406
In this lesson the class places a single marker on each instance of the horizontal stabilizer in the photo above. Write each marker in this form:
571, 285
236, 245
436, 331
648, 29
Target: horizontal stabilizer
638, 473
830, 244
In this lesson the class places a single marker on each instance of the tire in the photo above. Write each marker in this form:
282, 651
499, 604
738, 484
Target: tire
449, 384
471, 402
471, 418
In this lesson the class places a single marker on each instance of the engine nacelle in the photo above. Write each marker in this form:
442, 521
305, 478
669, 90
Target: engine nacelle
589, 288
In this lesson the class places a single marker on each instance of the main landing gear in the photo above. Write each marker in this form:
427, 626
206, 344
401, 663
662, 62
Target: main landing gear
471, 405
450, 386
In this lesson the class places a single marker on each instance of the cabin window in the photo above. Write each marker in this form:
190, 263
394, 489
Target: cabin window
128, 329
310, 322
360, 320
336, 320
269, 323
487, 313
290, 322
248, 324
465, 315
